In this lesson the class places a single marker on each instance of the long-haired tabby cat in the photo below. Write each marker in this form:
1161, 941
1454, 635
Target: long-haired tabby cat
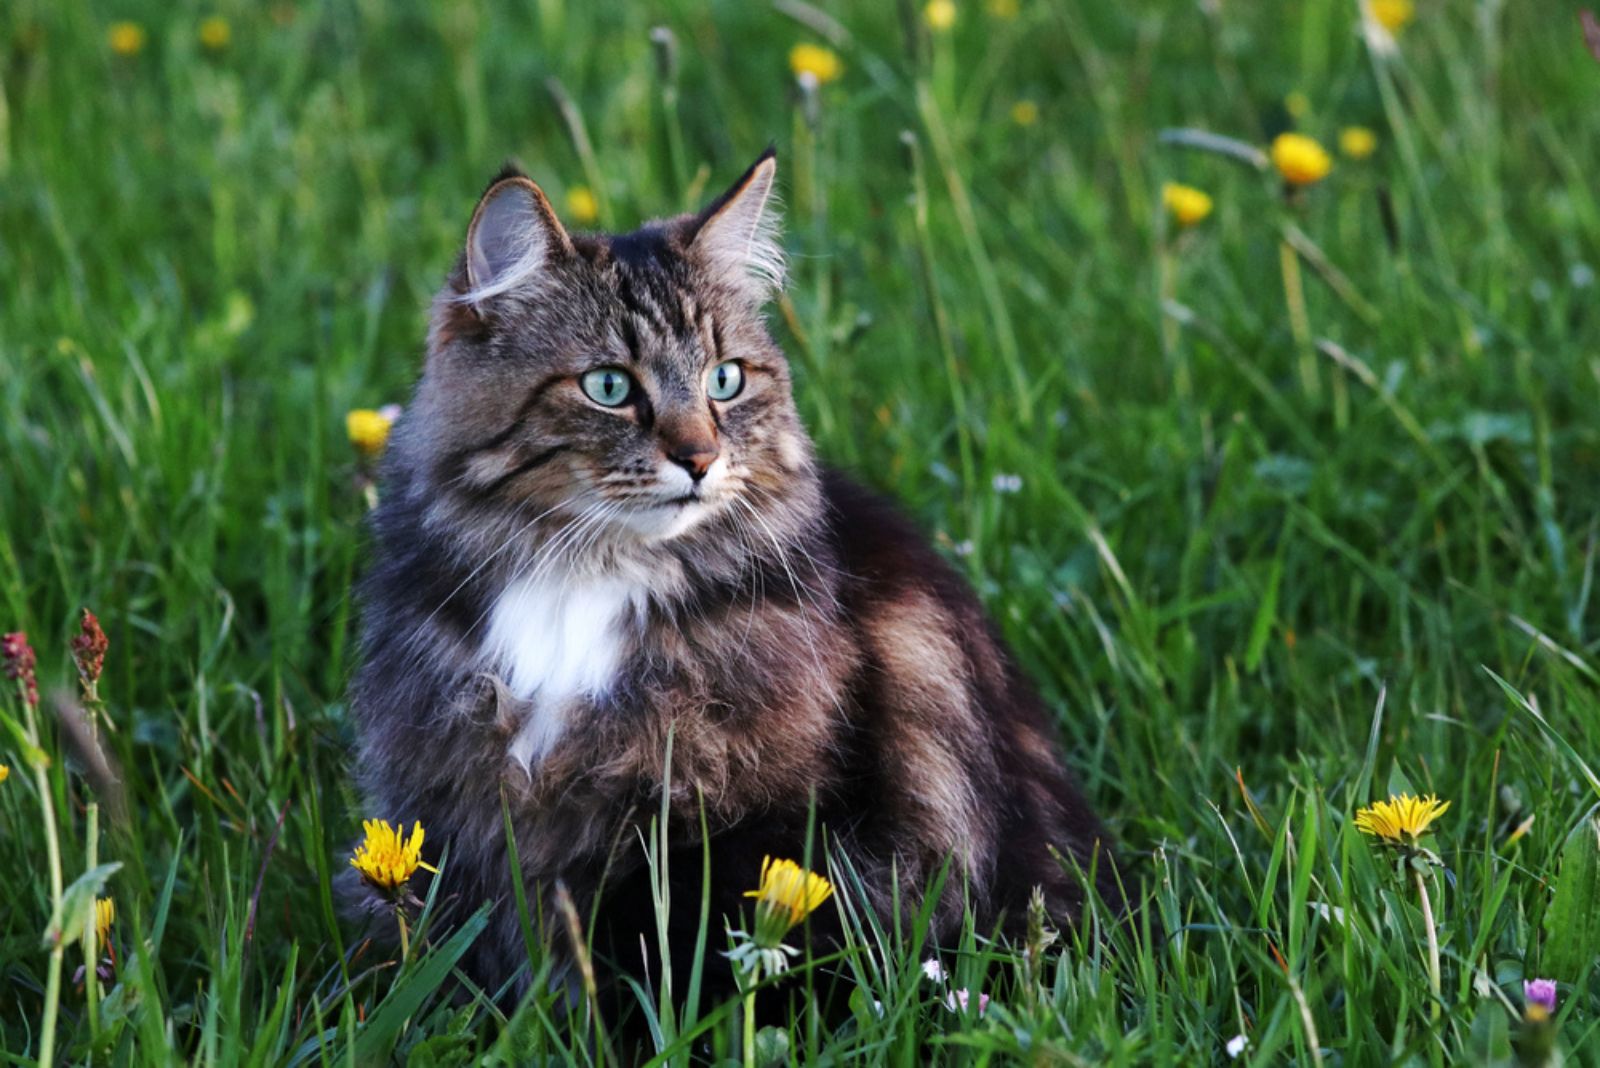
602, 522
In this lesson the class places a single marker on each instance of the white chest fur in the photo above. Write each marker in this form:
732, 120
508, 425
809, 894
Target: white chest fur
555, 640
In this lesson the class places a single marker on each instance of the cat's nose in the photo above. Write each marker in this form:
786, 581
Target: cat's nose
695, 456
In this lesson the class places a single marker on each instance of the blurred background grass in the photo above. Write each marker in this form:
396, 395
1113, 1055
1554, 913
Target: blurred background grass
1213, 543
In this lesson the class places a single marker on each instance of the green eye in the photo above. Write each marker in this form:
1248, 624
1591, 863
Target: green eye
726, 380
609, 386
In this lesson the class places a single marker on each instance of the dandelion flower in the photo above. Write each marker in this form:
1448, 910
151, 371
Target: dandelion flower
1300, 159
1187, 204
215, 33
941, 14
820, 63
582, 205
5, 773
1357, 142
126, 38
1004, 9
1025, 113
386, 858
105, 914
788, 894
1393, 15
1400, 820
368, 430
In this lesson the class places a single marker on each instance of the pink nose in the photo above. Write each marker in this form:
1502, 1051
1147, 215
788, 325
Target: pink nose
694, 456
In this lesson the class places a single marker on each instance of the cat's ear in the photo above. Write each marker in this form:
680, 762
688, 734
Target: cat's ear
513, 239
736, 237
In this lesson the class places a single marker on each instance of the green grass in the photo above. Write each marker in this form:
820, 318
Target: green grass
1237, 557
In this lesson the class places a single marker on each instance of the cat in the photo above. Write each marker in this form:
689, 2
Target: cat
602, 524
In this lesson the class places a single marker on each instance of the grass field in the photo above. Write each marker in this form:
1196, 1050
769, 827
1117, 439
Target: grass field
1285, 511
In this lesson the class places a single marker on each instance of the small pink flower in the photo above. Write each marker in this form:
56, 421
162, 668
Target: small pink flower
933, 969
958, 1000
1540, 992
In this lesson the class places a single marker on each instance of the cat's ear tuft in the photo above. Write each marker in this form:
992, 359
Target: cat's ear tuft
736, 237
513, 239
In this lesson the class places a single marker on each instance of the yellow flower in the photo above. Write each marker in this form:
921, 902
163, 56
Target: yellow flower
215, 33
1024, 113
1297, 104
387, 859
5, 773
105, 914
582, 205
1357, 142
1300, 159
787, 895
368, 430
941, 14
1187, 204
1393, 15
821, 63
1004, 9
126, 38
1400, 820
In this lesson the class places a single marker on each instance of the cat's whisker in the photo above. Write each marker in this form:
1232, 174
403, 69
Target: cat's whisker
800, 597
510, 540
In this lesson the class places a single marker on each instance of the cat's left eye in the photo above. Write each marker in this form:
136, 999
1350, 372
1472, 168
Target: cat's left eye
725, 381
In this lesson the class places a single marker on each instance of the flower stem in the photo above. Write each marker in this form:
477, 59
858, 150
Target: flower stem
750, 1016
1294, 294
91, 934
405, 936
1433, 940
41, 777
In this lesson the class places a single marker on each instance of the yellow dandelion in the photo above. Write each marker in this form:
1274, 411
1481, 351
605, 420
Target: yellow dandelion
1300, 159
1393, 15
582, 205
1400, 820
1004, 9
1025, 113
105, 914
126, 38
941, 14
814, 60
1297, 104
1187, 204
5, 773
386, 858
215, 33
368, 430
1357, 142
788, 894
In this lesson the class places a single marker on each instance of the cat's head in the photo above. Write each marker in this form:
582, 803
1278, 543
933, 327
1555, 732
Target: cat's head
627, 380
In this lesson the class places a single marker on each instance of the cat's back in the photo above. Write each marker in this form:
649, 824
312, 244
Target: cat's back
943, 708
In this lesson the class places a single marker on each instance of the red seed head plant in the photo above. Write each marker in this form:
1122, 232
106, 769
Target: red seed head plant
89, 653
17, 656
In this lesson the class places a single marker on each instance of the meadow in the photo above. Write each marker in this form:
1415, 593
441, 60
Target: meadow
1289, 504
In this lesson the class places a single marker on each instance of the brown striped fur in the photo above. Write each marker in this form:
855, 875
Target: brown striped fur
800, 640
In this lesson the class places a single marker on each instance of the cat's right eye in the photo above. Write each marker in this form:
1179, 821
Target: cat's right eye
608, 386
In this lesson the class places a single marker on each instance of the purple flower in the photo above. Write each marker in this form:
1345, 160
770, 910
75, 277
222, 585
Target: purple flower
1540, 992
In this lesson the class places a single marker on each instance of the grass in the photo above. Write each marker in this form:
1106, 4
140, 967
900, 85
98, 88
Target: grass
1267, 559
